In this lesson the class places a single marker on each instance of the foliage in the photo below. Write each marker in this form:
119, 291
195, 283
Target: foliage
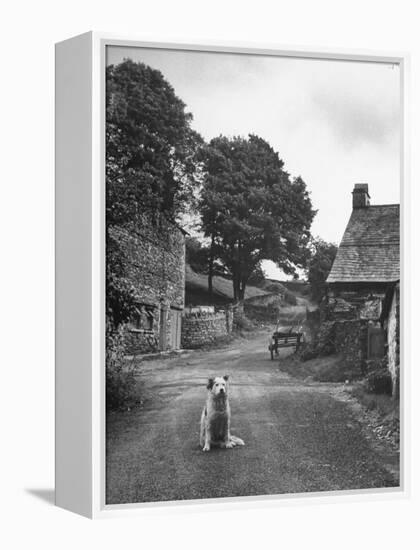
251, 209
120, 380
151, 164
150, 145
196, 255
242, 323
320, 263
257, 277
120, 293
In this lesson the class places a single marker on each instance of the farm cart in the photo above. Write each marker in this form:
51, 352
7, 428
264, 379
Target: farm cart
284, 339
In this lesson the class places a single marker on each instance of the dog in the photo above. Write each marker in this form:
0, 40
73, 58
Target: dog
215, 418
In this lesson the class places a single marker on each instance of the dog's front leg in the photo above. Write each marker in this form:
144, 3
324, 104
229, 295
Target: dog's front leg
206, 443
228, 443
207, 439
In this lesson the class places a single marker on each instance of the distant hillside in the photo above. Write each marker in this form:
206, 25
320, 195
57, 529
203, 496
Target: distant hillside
196, 289
270, 285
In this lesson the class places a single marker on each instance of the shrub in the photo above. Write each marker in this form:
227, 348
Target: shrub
306, 352
120, 378
383, 404
274, 287
242, 323
319, 266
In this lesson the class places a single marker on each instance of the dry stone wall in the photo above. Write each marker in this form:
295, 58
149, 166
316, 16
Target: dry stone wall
203, 328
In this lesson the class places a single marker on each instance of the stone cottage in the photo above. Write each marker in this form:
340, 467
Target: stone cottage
362, 301
154, 264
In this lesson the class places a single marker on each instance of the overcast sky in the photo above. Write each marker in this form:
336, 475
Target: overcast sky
334, 123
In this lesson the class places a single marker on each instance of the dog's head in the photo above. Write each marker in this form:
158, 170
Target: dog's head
218, 386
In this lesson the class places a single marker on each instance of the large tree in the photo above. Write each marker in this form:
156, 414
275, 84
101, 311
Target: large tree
150, 146
151, 164
196, 254
322, 257
252, 210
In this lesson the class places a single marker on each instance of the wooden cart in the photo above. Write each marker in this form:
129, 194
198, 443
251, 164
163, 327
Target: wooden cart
286, 339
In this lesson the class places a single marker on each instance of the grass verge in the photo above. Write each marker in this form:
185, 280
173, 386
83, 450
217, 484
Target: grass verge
321, 369
384, 404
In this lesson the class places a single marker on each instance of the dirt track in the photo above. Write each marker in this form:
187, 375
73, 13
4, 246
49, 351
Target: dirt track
298, 437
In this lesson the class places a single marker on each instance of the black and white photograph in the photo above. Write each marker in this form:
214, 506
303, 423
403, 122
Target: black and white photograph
252, 256
209, 276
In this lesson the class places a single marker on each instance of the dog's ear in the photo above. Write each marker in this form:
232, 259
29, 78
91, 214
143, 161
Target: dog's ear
210, 383
226, 377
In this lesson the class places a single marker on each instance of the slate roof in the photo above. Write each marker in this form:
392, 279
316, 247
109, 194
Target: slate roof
370, 248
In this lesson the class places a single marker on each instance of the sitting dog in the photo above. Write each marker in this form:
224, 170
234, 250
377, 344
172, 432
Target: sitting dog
215, 419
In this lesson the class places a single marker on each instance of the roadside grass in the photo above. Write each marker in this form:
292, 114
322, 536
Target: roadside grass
321, 369
384, 404
383, 411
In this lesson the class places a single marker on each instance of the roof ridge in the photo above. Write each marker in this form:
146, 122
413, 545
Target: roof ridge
393, 244
381, 205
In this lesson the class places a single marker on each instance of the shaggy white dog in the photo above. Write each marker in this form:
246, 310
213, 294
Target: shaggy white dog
215, 418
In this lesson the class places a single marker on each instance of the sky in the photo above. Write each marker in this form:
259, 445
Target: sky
334, 123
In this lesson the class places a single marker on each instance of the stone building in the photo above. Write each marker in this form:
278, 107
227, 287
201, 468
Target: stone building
154, 264
362, 301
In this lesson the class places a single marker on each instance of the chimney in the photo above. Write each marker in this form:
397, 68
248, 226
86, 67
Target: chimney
361, 195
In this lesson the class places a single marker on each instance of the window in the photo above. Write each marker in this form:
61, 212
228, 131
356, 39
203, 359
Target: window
144, 318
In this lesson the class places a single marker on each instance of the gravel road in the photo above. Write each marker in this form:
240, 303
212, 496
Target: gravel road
298, 436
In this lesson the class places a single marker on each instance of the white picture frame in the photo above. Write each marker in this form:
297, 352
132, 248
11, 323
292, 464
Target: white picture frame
80, 271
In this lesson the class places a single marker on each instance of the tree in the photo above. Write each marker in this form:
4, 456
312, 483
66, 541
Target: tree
151, 165
257, 277
252, 210
319, 266
196, 255
150, 146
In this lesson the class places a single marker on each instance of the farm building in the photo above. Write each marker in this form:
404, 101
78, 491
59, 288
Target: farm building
362, 301
154, 265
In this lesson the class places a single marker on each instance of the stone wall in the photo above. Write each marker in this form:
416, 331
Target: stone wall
139, 341
202, 328
153, 262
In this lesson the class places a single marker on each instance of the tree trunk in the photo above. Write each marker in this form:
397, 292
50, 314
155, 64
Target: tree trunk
241, 296
238, 289
211, 267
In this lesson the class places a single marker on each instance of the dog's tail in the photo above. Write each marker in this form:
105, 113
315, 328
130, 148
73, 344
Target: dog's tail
236, 440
